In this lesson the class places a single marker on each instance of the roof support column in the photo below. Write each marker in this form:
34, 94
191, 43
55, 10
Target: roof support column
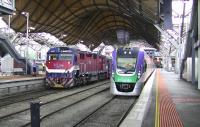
198, 19
178, 60
198, 65
198, 25
193, 60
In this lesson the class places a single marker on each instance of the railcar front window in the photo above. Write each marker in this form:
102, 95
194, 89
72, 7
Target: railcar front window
126, 64
65, 57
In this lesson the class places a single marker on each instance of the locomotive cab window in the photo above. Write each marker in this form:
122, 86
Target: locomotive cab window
52, 57
65, 57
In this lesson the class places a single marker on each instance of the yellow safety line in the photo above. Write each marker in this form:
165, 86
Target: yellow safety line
157, 113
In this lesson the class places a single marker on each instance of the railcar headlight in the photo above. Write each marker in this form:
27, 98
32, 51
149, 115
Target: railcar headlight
113, 74
139, 74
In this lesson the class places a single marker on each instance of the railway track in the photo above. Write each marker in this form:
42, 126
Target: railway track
25, 96
110, 114
29, 95
52, 106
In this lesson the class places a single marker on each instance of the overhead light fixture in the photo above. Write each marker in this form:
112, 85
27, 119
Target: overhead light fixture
31, 28
25, 13
64, 35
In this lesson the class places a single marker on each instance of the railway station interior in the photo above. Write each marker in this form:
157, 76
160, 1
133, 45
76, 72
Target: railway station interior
99, 63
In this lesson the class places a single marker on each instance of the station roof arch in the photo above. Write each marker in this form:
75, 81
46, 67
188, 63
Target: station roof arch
93, 21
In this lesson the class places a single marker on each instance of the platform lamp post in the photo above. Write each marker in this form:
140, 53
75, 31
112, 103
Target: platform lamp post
27, 29
31, 28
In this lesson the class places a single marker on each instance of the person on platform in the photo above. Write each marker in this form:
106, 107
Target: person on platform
34, 68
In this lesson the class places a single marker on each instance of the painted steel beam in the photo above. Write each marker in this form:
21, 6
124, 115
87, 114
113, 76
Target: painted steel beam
174, 43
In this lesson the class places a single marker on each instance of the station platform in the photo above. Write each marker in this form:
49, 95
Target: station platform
171, 102
12, 84
8, 77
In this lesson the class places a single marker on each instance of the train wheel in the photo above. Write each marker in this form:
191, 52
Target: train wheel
84, 80
75, 82
46, 85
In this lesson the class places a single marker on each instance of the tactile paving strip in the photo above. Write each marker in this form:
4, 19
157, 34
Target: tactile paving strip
166, 114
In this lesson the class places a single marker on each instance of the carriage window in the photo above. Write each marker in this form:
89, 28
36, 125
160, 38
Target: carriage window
52, 57
103, 60
94, 56
89, 55
81, 56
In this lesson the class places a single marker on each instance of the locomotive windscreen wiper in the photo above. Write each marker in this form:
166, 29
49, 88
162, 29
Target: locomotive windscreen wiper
120, 67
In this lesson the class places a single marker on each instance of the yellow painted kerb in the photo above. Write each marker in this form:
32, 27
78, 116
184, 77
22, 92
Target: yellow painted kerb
157, 114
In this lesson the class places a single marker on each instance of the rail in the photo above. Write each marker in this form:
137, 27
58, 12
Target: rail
139, 110
24, 109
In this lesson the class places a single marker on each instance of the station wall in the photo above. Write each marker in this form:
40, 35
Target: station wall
187, 73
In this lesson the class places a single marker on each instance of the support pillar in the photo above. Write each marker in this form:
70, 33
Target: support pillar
198, 24
193, 61
198, 73
169, 63
177, 62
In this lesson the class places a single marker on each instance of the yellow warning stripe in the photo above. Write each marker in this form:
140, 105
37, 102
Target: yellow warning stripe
157, 113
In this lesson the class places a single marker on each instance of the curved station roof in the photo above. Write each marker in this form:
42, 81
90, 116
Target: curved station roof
91, 21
